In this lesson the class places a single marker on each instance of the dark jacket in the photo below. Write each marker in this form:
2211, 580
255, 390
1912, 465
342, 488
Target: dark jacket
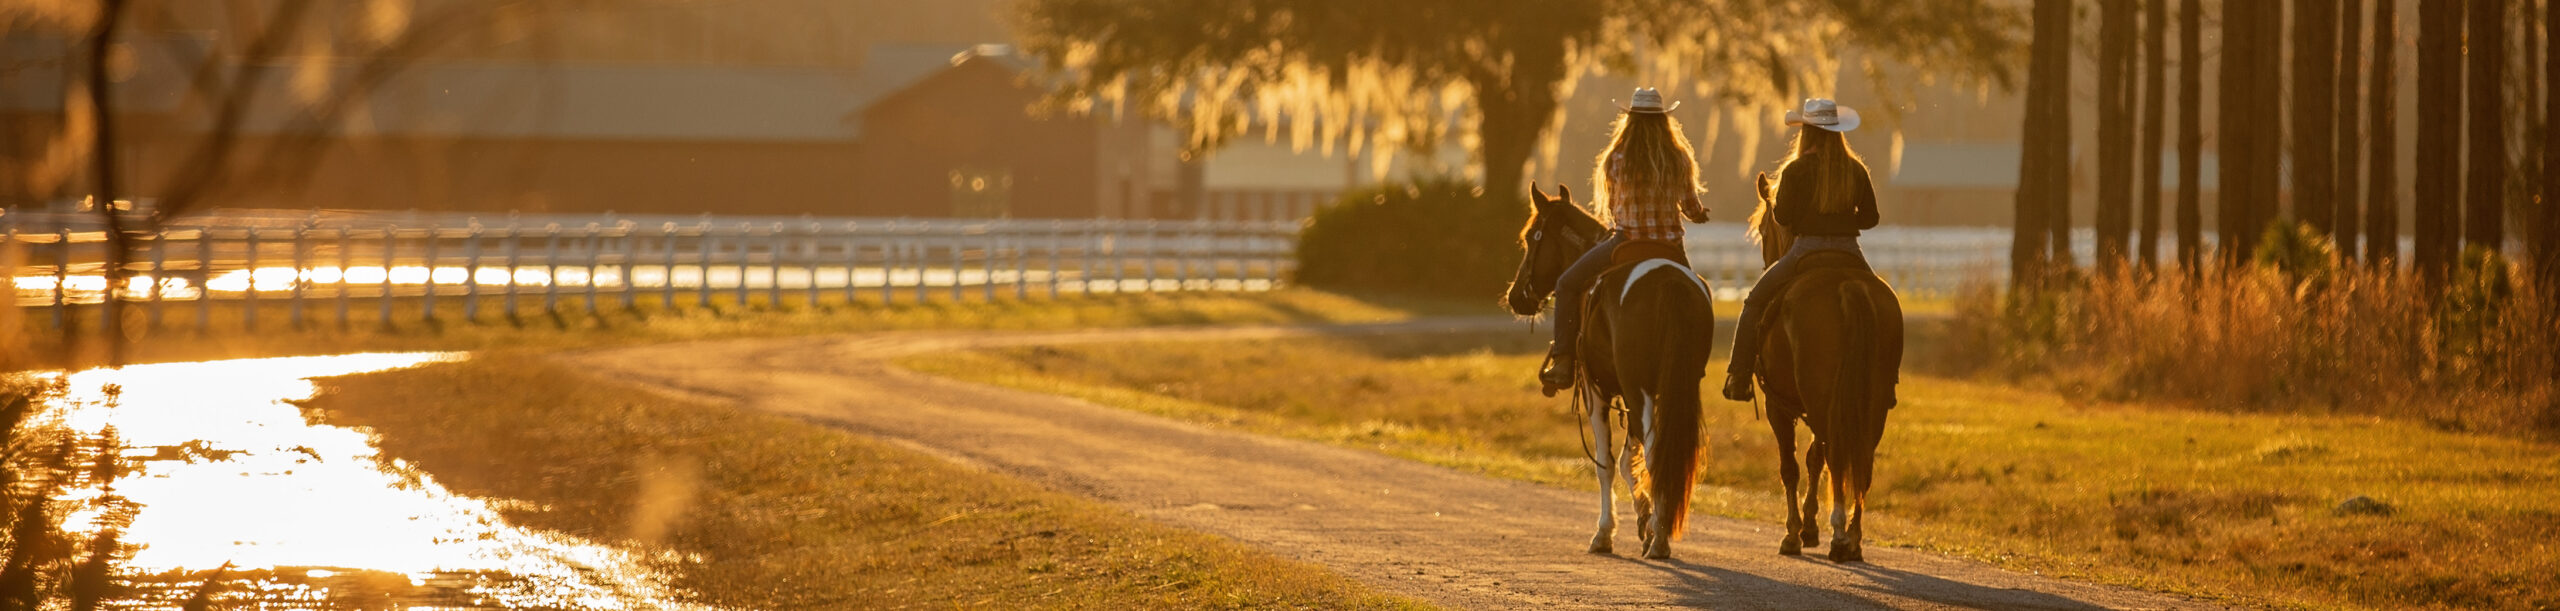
1798, 213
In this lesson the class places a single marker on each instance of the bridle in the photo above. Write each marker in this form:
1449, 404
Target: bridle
1535, 286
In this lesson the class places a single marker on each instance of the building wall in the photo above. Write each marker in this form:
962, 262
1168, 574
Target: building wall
484, 175
969, 121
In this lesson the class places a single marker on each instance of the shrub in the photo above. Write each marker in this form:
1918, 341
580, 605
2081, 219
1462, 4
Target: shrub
1439, 237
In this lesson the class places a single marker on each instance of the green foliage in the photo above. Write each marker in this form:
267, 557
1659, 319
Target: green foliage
2300, 252
1434, 236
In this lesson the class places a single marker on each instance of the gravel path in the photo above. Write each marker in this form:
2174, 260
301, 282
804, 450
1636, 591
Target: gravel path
1459, 539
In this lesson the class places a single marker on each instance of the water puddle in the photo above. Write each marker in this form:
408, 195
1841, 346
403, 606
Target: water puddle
313, 517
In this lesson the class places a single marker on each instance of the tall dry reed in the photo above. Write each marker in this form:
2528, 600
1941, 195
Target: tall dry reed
2477, 352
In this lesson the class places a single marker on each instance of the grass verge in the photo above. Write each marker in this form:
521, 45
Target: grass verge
2244, 508
787, 515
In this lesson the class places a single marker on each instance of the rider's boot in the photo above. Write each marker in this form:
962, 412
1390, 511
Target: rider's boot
1558, 373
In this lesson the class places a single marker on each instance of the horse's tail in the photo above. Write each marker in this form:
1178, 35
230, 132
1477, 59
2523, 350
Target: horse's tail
1856, 390
1678, 448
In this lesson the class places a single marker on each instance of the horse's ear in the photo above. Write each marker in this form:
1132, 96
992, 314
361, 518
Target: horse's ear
1536, 196
1762, 183
1564, 193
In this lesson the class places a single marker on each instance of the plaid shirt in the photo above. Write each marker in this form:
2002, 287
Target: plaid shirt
1649, 214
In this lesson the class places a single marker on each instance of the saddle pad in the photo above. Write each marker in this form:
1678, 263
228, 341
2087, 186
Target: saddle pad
1831, 259
1632, 251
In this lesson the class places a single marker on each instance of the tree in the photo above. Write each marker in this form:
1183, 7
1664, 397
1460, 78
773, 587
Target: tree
2486, 190
2546, 245
2043, 172
2190, 134
2436, 194
2382, 211
2350, 56
1387, 76
2248, 153
2115, 132
2155, 35
2315, 68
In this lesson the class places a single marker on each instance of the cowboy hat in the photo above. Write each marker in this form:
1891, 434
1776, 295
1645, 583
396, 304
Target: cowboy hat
1646, 100
1823, 113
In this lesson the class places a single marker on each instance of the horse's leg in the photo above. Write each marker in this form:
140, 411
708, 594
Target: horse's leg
1816, 459
1849, 545
1785, 430
1598, 424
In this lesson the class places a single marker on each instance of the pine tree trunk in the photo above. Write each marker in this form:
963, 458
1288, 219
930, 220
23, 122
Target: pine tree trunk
2486, 190
2382, 209
2267, 162
2438, 192
2546, 244
2155, 35
2046, 124
2190, 135
2350, 60
2115, 133
2239, 106
2315, 66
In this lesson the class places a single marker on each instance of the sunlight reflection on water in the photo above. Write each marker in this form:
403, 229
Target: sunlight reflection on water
234, 473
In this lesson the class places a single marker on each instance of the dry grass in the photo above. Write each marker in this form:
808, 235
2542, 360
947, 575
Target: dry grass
2477, 355
2233, 506
786, 515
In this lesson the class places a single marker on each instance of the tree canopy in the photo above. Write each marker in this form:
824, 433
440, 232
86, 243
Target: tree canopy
1409, 75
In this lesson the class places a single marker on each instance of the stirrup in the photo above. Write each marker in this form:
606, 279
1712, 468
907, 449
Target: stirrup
1552, 377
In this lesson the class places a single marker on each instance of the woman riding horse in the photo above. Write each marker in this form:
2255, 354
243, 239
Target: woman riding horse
1647, 181
1824, 198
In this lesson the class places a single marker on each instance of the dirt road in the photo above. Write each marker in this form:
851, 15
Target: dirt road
1462, 540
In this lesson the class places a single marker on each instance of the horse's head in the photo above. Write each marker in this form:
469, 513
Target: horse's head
1774, 239
1558, 232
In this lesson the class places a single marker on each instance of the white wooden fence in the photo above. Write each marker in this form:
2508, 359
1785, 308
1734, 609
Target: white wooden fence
391, 268
317, 272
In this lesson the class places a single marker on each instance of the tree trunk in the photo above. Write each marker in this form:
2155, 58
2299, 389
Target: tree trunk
2350, 56
2546, 244
2486, 190
2268, 163
2155, 69
2046, 126
1515, 106
2115, 133
102, 157
2382, 210
2315, 66
2239, 105
2437, 193
2190, 135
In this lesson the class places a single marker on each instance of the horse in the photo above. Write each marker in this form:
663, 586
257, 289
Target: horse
1833, 340
1648, 328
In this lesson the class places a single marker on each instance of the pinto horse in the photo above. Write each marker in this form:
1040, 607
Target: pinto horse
1647, 329
1832, 348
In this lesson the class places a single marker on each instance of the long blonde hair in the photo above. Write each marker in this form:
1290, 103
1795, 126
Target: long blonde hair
1650, 153
1836, 168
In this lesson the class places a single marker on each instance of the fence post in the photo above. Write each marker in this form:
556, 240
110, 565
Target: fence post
630, 250
61, 275
775, 245
959, 258
992, 243
595, 246
1155, 245
159, 276
702, 293
746, 256
346, 260
890, 251
924, 261
471, 274
809, 259
1056, 227
427, 301
551, 269
852, 261
1119, 257
390, 253
667, 242
1021, 285
515, 261
249, 316
301, 267
204, 287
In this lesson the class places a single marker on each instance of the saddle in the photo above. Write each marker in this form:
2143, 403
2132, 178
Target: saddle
1632, 251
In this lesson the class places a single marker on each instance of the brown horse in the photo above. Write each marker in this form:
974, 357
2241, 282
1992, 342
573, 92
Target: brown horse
1832, 346
1647, 329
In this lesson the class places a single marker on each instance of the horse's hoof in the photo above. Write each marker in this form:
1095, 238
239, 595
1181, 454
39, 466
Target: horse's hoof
1849, 552
1810, 537
1658, 550
1789, 547
1600, 545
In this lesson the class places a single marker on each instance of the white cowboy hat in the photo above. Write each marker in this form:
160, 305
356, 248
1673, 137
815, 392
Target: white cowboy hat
1646, 100
1823, 113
